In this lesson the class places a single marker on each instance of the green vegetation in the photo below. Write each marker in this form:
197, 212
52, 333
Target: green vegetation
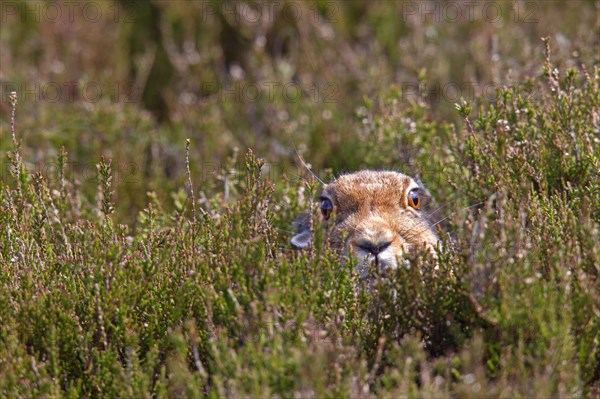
136, 264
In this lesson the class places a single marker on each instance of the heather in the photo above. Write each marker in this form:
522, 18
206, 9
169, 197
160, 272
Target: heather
146, 210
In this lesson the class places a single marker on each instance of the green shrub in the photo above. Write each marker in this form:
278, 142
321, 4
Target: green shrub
209, 299
164, 270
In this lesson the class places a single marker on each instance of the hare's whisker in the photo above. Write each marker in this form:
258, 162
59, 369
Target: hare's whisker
440, 208
306, 166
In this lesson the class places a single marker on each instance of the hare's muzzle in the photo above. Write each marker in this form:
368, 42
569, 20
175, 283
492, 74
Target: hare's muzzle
373, 247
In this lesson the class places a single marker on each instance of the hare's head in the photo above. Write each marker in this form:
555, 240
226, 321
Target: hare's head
376, 215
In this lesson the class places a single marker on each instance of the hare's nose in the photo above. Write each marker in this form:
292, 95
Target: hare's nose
374, 248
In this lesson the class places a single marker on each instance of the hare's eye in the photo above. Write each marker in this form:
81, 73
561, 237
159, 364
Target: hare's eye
414, 200
326, 207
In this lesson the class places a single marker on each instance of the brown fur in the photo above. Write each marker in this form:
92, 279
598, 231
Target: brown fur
371, 208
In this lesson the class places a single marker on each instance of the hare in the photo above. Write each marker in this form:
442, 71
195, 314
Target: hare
376, 215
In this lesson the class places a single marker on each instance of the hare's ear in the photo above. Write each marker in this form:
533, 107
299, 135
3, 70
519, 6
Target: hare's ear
301, 240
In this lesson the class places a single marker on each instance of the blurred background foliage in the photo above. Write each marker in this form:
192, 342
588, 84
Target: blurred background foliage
131, 80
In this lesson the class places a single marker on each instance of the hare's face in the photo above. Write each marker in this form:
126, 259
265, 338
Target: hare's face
376, 217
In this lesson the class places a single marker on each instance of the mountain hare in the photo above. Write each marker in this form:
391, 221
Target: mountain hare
375, 214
